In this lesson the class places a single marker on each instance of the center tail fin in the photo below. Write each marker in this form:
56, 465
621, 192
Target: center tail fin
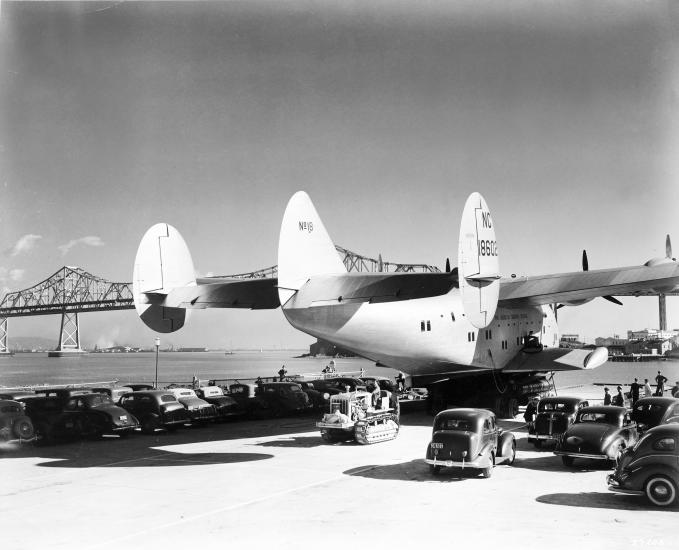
304, 248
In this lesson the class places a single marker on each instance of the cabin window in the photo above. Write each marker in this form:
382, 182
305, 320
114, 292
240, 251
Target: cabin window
428, 325
452, 316
421, 326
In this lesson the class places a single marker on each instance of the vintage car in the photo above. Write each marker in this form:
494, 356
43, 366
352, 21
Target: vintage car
155, 409
318, 399
651, 467
114, 392
553, 417
469, 438
600, 432
198, 409
280, 398
339, 384
653, 411
15, 426
83, 414
226, 406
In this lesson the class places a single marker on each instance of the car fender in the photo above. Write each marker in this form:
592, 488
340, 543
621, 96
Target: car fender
484, 457
505, 443
639, 476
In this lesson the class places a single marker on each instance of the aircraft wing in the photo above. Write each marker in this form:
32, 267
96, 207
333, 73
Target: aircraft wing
585, 285
222, 292
557, 359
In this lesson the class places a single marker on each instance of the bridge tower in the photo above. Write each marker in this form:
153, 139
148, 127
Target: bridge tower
69, 340
3, 337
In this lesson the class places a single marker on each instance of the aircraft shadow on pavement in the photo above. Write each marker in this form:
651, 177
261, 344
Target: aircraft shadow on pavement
602, 500
413, 470
158, 458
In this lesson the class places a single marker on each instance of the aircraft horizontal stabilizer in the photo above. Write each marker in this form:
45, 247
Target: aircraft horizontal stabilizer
557, 359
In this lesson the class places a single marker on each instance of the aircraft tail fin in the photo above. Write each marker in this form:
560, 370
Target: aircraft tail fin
163, 263
304, 248
478, 263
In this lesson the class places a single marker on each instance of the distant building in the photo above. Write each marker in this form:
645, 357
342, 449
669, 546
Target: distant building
570, 341
651, 334
321, 347
615, 345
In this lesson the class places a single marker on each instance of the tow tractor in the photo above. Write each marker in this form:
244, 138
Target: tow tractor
352, 416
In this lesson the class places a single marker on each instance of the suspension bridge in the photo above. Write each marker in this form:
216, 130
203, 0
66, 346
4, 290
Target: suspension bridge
72, 290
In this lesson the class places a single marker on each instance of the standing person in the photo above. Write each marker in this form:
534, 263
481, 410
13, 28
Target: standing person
675, 389
647, 388
529, 415
660, 384
282, 373
401, 381
618, 399
634, 388
607, 396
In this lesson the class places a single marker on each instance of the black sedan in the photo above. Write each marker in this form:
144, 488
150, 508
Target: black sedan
600, 433
651, 467
653, 411
554, 415
469, 438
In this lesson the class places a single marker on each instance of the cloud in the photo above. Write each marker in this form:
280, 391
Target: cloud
88, 241
7, 276
24, 244
16, 274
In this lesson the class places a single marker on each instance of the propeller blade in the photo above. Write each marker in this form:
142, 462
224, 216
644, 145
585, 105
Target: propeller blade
448, 264
585, 263
611, 299
668, 247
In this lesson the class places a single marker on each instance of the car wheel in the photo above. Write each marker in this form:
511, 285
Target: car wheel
23, 428
435, 470
488, 471
567, 460
660, 490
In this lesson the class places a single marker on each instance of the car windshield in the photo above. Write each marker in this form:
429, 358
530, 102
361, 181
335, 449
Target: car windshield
555, 406
99, 400
456, 424
598, 418
11, 409
167, 398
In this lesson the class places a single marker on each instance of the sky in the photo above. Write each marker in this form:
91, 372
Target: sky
209, 116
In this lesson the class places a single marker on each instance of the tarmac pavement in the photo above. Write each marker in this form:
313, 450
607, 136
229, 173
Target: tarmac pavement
276, 484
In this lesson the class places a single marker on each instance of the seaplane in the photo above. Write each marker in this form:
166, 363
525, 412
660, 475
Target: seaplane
467, 334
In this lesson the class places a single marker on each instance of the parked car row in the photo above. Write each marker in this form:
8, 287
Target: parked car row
643, 445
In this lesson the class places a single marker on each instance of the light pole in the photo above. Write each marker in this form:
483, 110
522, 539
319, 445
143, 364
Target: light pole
157, 342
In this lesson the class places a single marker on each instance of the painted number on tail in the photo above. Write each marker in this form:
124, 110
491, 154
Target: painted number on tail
487, 248
306, 226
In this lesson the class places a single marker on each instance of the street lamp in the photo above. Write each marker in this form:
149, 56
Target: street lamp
157, 342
